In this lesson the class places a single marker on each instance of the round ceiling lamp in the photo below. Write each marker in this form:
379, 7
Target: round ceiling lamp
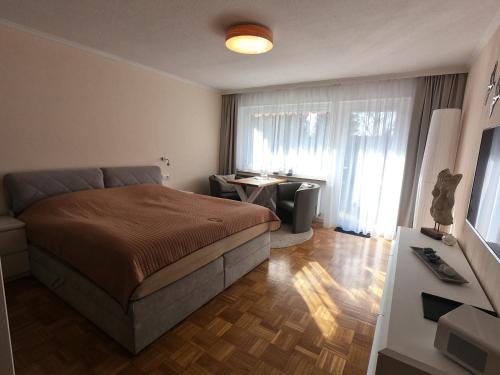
249, 39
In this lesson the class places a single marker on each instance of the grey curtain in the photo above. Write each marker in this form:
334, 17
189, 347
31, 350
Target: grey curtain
227, 141
434, 92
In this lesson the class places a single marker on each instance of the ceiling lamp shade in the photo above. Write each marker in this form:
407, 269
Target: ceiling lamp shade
249, 39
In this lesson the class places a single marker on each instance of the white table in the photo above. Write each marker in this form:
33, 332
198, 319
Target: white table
402, 336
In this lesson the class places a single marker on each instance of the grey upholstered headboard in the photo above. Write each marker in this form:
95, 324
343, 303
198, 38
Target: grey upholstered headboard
25, 188
122, 176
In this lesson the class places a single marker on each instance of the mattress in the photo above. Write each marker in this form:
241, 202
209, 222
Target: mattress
196, 260
121, 237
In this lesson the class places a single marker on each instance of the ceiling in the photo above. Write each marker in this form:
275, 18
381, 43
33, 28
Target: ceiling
314, 40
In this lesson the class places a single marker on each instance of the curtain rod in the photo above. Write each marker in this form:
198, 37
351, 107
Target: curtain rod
341, 81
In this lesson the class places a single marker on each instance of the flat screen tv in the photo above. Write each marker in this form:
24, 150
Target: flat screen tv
484, 206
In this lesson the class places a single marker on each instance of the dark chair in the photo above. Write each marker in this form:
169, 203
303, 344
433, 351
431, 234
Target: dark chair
217, 191
296, 204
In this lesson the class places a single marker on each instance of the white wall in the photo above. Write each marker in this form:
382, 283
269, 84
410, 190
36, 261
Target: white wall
64, 107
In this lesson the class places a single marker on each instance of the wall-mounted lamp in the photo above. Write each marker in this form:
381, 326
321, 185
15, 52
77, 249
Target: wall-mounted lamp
165, 160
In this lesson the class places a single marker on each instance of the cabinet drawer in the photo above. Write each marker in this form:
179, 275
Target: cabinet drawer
12, 241
15, 264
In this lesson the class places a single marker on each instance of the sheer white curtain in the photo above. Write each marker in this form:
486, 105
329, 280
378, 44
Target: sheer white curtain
353, 136
372, 124
283, 130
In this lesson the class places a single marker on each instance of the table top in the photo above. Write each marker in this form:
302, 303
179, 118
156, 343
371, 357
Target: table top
258, 181
409, 334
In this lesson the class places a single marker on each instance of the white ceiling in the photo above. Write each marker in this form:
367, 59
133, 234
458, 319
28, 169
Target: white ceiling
314, 39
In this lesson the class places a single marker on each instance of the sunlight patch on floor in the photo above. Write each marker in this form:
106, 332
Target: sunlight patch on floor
376, 290
322, 308
379, 275
315, 285
327, 280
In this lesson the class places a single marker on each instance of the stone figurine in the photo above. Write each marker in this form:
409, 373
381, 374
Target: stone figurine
444, 197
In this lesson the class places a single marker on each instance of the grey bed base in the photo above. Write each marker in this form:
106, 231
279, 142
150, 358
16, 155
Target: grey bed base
150, 317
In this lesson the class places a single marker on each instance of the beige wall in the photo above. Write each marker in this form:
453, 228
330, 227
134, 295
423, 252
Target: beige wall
62, 106
475, 118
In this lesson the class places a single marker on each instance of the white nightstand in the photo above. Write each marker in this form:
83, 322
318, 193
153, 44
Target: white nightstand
13, 248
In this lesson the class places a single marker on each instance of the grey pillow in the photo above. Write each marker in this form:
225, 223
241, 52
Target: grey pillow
25, 188
224, 186
124, 176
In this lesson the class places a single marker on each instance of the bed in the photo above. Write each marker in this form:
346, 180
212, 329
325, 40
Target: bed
131, 255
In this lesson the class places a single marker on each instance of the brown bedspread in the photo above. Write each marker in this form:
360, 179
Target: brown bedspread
117, 237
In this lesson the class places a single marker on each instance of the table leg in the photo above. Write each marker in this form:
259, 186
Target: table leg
273, 204
243, 195
241, 192
254, 194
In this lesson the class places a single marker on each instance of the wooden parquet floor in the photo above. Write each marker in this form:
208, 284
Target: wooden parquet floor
311, 309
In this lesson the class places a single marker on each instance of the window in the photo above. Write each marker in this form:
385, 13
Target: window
352, 136
276, 139
373, 165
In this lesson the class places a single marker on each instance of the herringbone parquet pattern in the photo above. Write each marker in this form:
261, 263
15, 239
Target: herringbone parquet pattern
310, 310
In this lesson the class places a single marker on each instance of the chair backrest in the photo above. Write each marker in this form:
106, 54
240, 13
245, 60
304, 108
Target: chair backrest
214, 186
309, 192
286, 190
308, 186
305, 204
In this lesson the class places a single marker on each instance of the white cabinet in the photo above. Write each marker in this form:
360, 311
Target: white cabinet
13, 248
404, 340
